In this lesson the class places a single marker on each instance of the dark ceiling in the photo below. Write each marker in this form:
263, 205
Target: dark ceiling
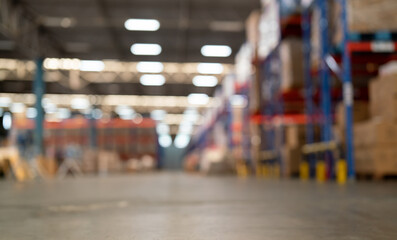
97, 27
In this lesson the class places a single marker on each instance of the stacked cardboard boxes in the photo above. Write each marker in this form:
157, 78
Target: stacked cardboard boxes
295, 138
291, 53
375, 140
360, 114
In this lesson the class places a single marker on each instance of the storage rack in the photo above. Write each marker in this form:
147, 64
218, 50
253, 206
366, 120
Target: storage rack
273, 116
128, 139
352, 43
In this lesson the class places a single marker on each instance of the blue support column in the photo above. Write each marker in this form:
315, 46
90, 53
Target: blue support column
39, 90
309, 105
325, 81
93, 130
347, 95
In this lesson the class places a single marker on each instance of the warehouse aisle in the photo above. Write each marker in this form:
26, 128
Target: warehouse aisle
176, 206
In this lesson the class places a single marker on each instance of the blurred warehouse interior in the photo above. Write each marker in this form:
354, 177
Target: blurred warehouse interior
198, 119
249, 87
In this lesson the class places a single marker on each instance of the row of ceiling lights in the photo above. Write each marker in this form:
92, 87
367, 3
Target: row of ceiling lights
155, 49
151, 70
152, 49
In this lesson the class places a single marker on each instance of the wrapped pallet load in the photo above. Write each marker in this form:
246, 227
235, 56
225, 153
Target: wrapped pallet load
375, 140
291, 54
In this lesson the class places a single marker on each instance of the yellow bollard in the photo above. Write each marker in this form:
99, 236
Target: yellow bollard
277, 170
258, 170
265, 170
242, 170
341, 171
304, 170
321, 174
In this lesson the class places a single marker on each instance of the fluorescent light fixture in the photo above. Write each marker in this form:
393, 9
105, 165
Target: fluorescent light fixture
205, 81
216, 51
80, 103
152, 80
138, 118
50, 107
165, 140
97, 113
150, 67
158, 115
185, 128
17, 108
150, 49
190, 115
238, 101
125, 112
5, 101
7, 121
92, 66
162, 129
198, 99
134, 24
31, 112
63, 113
210, 68
182, 140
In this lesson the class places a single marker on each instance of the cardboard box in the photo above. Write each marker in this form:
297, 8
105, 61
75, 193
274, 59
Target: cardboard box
383, 97
375, 148
360, 113
376, 160
295, 135
292, 157
375, 133
291, 54
252, 28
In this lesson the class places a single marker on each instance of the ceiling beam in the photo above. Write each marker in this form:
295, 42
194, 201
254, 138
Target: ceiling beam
21, 26
105, 14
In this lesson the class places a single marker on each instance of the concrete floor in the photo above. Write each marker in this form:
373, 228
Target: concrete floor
172, 206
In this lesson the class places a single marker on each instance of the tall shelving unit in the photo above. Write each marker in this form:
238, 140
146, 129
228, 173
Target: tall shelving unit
355, 48
273, 115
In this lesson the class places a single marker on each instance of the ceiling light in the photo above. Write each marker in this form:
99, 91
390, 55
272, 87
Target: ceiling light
142, 24
80, 103
97, 113
165, 141
63, 113
7, 121
125, 112
238, 101
210, 68
66, 22
198, 99
152, 80
216, 51
5, 101
205, 81
150, 67
91, 66
162, 129
150, 49
182, 140
158, 115
190, 116
31, 112
17, 108
185, 128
